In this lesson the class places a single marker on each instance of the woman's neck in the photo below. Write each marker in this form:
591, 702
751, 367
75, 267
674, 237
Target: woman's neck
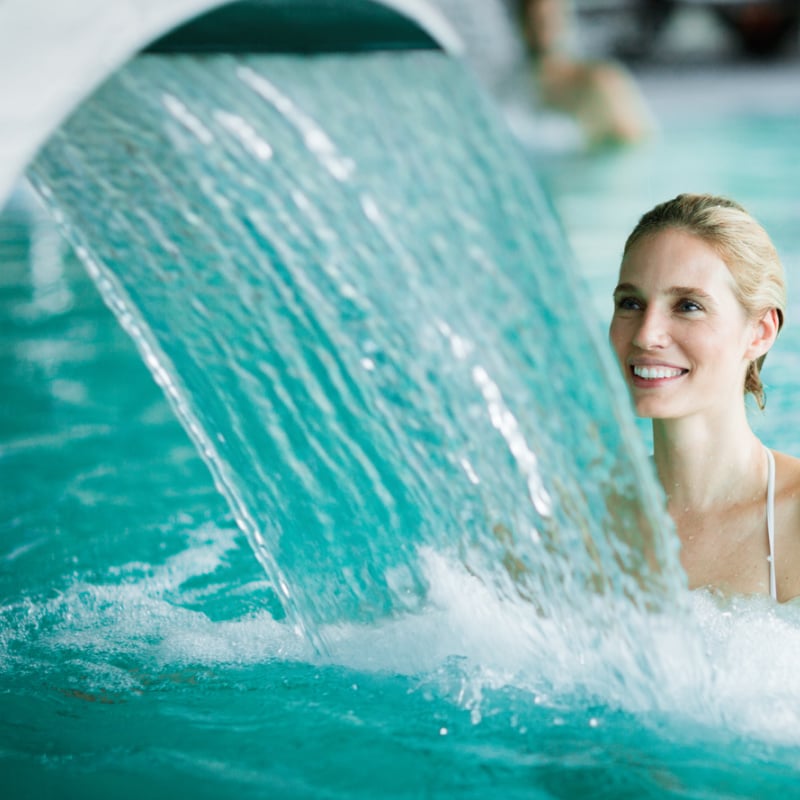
705, 463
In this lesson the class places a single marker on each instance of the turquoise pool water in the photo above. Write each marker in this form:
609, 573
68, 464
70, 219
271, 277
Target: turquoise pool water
144, 650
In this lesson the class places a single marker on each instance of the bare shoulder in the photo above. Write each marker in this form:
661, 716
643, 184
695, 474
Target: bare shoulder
787, 525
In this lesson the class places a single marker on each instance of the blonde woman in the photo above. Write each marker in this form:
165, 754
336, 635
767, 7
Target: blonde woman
699, 302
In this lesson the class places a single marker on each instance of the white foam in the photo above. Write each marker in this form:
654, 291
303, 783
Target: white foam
729, 666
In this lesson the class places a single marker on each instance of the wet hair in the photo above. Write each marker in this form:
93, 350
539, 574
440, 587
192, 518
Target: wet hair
741, 243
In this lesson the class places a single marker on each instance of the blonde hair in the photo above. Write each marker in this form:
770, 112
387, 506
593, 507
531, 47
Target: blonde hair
741, 243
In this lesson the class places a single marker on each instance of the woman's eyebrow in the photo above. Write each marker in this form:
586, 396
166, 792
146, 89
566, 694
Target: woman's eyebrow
692, 290
625, 287
673, 290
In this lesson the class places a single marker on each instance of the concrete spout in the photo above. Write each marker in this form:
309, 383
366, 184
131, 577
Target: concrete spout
53, 55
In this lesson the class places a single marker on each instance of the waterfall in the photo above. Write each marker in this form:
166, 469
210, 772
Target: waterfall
361, 306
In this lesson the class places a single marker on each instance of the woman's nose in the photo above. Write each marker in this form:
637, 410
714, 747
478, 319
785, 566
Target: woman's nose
653, 330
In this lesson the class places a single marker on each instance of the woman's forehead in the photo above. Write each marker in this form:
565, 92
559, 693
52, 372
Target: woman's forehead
674, 252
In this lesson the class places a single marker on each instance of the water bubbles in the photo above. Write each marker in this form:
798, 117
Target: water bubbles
300, 199
540, 497
315, 138
460, 346
371, 210
349, 291
472, 476
181, 113
506, 423
246, 134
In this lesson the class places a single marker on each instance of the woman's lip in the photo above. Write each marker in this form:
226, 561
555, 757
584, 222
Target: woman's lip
637, 362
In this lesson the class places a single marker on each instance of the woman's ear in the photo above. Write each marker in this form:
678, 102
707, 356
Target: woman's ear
765, 331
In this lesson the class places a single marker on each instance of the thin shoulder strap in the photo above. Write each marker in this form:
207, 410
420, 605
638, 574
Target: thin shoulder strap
773, 588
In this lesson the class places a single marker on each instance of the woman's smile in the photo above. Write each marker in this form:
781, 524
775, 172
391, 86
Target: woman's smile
653, 375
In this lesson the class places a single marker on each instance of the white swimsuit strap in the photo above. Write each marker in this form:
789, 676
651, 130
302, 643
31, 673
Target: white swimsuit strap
773, 588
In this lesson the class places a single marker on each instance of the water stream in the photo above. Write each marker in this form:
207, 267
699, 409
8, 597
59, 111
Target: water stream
360, 305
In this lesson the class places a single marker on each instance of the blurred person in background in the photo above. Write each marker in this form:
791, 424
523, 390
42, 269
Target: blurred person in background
600, 95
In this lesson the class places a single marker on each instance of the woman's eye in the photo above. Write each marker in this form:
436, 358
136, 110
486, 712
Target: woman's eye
689, 305
628, 304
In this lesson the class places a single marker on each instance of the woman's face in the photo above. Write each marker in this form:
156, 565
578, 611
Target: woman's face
682, 338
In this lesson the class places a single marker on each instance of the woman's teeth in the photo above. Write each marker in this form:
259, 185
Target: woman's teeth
653, 373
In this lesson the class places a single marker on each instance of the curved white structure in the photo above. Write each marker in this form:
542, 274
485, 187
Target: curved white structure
53, 54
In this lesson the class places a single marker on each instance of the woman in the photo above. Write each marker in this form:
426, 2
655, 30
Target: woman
698, 305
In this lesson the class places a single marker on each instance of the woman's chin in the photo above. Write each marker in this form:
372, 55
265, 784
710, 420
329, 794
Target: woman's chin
648, 409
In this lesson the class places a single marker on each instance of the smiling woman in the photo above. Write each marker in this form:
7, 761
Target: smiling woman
698, 305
